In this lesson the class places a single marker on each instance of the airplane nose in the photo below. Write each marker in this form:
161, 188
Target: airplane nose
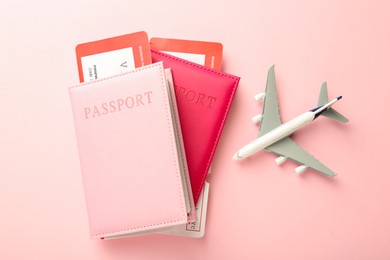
236, 157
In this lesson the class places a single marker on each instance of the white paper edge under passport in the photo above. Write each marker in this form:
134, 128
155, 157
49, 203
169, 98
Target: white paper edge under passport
197, 228
180, 145
194, 229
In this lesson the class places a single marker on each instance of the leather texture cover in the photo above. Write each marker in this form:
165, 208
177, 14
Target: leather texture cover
204, 97
128, 153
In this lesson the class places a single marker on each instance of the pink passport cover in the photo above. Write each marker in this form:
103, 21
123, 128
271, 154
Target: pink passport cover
128, 154
204, 97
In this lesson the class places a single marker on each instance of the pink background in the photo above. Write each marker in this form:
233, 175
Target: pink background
257, 210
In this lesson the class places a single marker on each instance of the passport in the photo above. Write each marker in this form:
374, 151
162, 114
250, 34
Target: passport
204, 97
132, 164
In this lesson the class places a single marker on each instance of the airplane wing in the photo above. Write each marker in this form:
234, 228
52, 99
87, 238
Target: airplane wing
271, 116
289, 149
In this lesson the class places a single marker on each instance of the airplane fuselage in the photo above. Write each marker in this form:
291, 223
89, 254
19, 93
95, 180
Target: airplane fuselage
282, 131
276, 134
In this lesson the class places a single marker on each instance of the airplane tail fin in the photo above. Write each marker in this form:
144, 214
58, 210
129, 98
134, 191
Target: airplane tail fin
330, 112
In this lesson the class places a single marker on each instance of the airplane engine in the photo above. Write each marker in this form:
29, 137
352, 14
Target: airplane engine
280, 160
301, 169
259, 97
257, 119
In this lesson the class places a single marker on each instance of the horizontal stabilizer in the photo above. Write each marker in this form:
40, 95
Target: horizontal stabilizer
333, 114
330, 112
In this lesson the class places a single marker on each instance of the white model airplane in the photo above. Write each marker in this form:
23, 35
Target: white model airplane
274, 137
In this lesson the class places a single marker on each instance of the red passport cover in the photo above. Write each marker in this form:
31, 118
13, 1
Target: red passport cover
204, 97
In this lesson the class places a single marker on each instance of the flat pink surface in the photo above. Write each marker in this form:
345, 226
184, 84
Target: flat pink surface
257, 210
